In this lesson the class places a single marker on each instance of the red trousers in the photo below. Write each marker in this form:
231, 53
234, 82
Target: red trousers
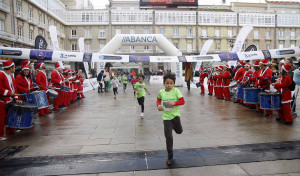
220, 90
57, 100
202, 88
216, 91
210, 89
226, 93
3, 116
285, 112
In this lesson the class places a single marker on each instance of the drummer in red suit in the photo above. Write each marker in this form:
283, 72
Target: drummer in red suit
210, 81
23, 82
219, 82
203, 75
57, 81
238, 74
264, 80
282, 85
215, 81
65, 93
8, 94
226, 81
244, 79
42, 82
75, 86
253, 81
80, 84
70, 81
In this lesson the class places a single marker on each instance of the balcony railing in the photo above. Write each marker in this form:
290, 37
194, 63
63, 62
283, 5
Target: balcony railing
73, 37
190, 36
218, 37
33, 21
21, 15
204, 37
231, 37
175, 36
4, 7
7, 36
101, 37
88, 36
268, 38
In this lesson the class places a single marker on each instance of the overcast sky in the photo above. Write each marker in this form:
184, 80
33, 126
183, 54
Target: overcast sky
101, 3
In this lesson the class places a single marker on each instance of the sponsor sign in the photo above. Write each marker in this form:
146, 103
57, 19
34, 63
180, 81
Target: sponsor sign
267, 54
102, 57
285, 52
40, 43
41, 54
133, 58
181, 58
229, 57
66, 56
163, 59
139, 39
11, 52
251, 48
87, 57
200, 58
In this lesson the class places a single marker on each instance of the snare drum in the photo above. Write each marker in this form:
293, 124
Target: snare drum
270, 100
38, 98
20, 115
65, 88
52, 93
251, 95
240, 92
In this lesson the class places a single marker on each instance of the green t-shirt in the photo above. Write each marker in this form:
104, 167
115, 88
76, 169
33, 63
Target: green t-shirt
169, 112
140, 88
125, 81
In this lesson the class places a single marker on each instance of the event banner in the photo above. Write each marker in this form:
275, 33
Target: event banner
23, 53
203, 52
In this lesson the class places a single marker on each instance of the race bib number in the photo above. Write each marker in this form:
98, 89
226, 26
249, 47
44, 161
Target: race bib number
168, 107
141, 87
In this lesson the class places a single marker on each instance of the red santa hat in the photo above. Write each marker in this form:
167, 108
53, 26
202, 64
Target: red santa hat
201, 68
221, 67
73, 71
248, 64
8, 64
65, 70
57, 65
70, 71
39, 65
241, 63
287, 68
25, 63
227, 66
264, 61
256, 64
25, 68
79, 70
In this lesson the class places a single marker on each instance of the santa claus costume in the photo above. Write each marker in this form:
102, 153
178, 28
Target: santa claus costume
201, 80
42, 82
226, 81
210, 82
264, 80
283, 86
7, 92
80, 84
57, 81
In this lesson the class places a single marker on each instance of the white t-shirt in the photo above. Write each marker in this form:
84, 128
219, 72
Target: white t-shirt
115, 83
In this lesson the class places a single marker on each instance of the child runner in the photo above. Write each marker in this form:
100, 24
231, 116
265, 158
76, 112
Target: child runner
115, 83
140, 88
125, 81
133, 82
168, 100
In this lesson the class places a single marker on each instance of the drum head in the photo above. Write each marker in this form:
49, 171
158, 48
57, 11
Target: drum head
20, 108
52, 92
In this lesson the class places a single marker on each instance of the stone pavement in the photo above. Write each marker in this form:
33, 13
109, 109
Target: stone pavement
100, 124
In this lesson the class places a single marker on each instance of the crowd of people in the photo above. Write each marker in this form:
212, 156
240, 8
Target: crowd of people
262, 75
64, 87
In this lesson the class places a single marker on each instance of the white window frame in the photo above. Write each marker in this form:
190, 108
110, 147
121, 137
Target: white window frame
281, 34
74, 47
131, 48
88, 32
204, 32
230, 33
256, 34
293, 34
31, 34
146, 31
189, 47
73, 32
19, 32
102, 33
176, 31
132, 31
162, 31
189, 32
268, 46
268, 34
88, 47
280, 45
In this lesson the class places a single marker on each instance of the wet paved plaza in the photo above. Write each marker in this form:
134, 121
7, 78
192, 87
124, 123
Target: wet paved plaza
99, 124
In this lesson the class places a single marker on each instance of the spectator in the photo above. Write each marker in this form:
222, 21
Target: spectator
100, 81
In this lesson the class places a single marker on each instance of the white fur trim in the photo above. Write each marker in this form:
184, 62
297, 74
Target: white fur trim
5, 92
284, 68
284, 102
9, 65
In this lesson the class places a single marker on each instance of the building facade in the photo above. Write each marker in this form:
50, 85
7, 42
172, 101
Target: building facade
276, 25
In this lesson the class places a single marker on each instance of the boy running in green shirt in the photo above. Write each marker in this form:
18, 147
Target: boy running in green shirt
168, 100
140, 88
125, 81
